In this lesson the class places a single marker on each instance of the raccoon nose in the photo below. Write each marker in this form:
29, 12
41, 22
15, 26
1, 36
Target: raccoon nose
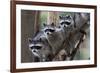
34, 50
48, 33
64, 25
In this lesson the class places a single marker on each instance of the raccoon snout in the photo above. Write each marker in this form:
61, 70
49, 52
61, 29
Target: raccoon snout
65, 25
34, 50
47, 33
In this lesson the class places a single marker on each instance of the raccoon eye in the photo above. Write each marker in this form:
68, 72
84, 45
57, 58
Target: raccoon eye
46, 30
52, 30
62, 23
38, 47
32, 47
68, 23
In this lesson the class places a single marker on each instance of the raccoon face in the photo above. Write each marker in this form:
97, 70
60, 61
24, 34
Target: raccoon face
40, 50
65, 21
35, 47
49, 29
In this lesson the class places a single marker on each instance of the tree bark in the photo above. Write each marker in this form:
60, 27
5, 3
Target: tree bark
52, 18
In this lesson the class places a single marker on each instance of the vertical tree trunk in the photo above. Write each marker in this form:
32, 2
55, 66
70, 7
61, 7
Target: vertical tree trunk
36, 21
52, 18
29, 26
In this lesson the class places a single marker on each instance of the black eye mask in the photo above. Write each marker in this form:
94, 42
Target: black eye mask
36, 47
67, 23
50, 30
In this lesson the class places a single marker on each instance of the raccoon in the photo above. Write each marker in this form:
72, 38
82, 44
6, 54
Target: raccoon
66, 24
72, 35
54, 36
40, 48
79, 25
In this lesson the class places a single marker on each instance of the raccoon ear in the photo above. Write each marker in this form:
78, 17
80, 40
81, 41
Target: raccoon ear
30, 40
69, 16
52, 24
60, 17
44, 24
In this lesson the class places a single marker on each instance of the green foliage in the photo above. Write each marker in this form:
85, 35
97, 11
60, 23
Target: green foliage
43, 18
64, 13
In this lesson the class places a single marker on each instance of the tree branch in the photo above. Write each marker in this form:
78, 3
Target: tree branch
76, 49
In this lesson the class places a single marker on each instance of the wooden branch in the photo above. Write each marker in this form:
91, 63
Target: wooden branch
76, 49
